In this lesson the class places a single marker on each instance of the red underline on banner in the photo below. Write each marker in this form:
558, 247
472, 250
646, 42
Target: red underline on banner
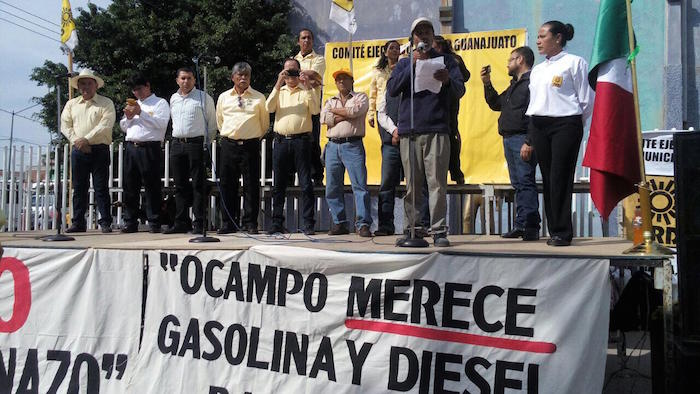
451, 336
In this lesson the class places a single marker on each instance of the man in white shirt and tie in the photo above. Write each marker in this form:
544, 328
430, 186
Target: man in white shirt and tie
144, 123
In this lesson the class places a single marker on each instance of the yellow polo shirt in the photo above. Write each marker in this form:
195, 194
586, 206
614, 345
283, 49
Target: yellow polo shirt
90, 119
313, 61
293, 109
242, 117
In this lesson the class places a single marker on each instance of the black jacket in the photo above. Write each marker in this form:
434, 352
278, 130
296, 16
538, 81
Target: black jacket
512, 103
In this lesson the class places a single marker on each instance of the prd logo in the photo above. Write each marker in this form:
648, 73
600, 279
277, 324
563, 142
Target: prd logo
22, 292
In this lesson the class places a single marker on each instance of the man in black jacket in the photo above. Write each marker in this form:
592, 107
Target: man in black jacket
513, 125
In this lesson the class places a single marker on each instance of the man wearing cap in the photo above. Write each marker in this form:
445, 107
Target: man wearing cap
242, 119
144, 124
429, 145
344, 114
312, 66
293, 101
87, 122
194, 114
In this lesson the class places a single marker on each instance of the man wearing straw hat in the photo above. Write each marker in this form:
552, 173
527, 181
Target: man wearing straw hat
87, 122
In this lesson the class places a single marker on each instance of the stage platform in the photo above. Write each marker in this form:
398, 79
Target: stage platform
576, 261
601, 247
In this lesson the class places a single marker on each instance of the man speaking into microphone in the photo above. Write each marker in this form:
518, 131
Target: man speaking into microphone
430, 149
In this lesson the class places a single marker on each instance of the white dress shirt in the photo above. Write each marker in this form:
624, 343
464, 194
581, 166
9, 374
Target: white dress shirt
188, 114
384, 119
150, 124
559, 87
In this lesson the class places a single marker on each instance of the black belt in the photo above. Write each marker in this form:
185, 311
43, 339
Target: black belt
344, 140
279, 136
240, 142
189, 140
143, 143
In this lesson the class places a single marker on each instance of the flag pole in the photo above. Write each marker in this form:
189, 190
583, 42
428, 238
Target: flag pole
70, 70
648, 246
350, 47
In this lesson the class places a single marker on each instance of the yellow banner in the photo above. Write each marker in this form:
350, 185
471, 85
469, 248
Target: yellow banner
482, 158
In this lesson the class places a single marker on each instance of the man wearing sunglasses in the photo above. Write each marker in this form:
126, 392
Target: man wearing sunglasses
242, 120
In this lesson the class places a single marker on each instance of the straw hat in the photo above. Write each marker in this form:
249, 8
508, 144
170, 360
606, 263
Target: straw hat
86, 73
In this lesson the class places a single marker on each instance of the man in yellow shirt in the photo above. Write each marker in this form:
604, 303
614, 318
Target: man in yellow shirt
312, 67
242, 120
293, 101
87, 122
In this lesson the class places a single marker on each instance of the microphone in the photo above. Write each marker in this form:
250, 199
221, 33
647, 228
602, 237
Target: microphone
67, 75
422, 47
207, 59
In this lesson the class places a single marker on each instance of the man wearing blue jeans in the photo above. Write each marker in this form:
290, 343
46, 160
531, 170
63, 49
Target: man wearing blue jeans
512, 125
344, 114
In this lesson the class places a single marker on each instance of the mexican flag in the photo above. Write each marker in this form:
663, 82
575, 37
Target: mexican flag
612, 152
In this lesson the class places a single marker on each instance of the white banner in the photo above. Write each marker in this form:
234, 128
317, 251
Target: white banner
69, 319
658, 152
279, 319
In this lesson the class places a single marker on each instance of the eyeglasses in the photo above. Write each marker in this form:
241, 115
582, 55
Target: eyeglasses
240, 102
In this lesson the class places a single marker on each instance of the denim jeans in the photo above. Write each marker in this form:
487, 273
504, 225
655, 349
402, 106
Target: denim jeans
522, 177
391, 178
350, 155
95, 163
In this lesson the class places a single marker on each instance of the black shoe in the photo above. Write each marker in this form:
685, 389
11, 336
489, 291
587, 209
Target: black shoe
338, 229
309, 231
226, 229
441, 240
531, 234
154, 229
381, 232
514, 233
197, 229
252, 230
129, 228
177, 230
106, 228
364, 231
276, 229
558, 241
76, 229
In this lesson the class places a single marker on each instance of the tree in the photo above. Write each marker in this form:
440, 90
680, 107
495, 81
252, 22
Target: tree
157, 37
45, 76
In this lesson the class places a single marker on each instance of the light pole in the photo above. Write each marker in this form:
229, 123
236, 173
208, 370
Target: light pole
12, 130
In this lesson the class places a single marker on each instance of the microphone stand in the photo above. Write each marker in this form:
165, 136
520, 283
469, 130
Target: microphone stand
203, 98
59, 181
412, 241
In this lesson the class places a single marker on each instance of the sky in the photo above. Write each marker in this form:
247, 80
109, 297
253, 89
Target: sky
21, 51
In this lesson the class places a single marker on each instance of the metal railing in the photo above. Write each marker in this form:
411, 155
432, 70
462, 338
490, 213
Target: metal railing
29, 202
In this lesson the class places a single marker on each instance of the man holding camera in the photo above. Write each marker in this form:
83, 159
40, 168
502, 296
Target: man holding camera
293, 101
